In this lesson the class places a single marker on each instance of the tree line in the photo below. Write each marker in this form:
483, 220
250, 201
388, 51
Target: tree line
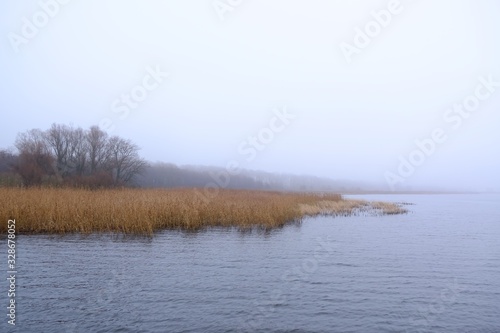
167, 175
68, 156
64, 155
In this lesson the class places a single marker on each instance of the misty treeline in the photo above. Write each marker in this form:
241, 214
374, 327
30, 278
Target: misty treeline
64, 155
90, 158
158, 175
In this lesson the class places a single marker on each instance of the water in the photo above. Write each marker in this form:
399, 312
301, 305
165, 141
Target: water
436, 269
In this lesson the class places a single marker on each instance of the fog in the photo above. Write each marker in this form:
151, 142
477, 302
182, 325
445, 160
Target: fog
401, 95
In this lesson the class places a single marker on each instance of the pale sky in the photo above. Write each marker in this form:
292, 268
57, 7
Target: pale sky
351, 119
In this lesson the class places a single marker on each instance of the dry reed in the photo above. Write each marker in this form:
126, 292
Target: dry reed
144, 211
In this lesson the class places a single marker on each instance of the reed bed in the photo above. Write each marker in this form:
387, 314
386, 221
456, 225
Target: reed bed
144, 211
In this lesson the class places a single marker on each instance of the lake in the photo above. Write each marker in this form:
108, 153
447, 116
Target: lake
436, 269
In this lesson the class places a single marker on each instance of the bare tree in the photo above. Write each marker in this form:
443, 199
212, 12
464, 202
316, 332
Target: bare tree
77, 152
124, 160
97, 143
35, 160
31, 141
58, 140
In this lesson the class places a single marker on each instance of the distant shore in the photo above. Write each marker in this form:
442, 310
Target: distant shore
375, 192
145, 211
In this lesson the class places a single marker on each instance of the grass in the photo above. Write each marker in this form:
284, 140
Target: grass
144, 211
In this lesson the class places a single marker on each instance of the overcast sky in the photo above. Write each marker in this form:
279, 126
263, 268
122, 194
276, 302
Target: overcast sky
357, 92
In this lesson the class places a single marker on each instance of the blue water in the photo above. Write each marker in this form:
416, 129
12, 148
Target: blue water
436, 269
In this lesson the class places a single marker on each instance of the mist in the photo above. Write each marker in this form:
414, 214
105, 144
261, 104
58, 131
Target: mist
398, 95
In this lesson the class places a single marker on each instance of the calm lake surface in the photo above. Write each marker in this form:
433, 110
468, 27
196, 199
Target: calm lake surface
436, 269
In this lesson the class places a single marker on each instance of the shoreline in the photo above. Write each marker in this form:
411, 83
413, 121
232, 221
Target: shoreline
146, 211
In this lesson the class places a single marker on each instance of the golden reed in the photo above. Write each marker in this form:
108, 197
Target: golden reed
144, 211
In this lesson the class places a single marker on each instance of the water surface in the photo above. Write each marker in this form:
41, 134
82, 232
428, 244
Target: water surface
436, 269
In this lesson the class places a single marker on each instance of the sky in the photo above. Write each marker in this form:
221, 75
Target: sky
404, 94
